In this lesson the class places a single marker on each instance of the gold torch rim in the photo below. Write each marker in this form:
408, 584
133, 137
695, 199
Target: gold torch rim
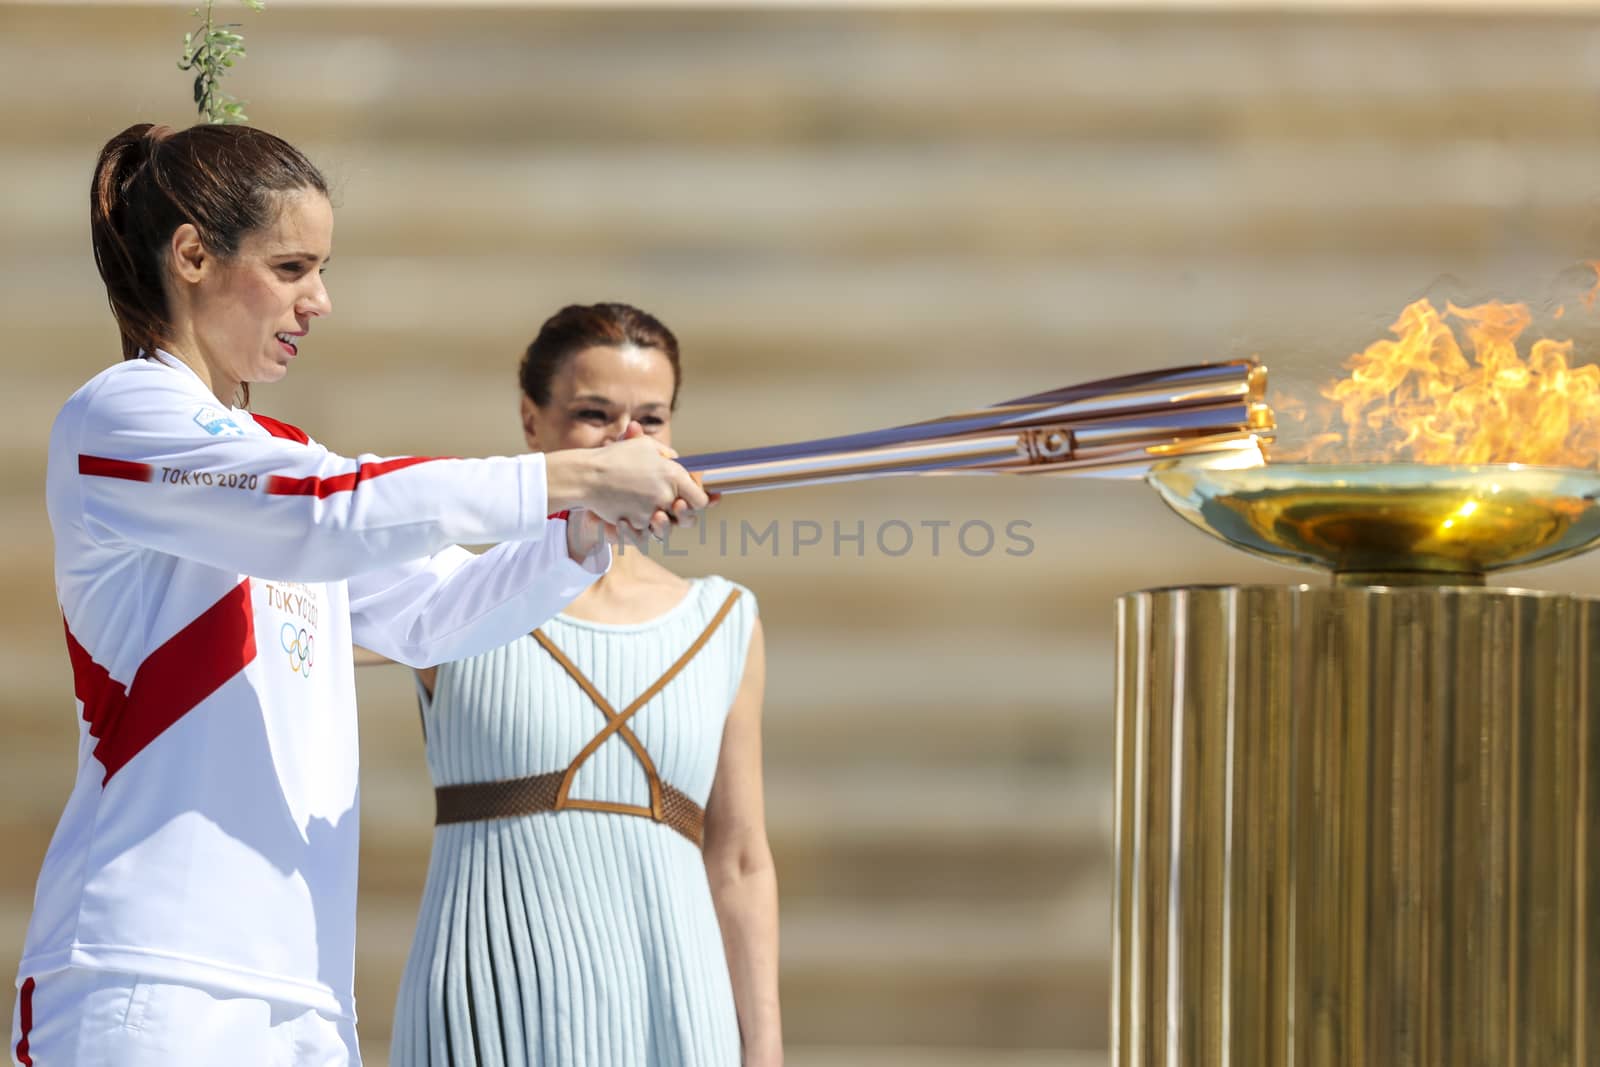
1391, 523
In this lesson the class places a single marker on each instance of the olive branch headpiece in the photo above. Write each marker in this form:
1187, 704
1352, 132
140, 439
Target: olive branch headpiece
210, 50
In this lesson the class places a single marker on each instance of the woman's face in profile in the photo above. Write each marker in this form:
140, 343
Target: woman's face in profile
596, 393
253, 310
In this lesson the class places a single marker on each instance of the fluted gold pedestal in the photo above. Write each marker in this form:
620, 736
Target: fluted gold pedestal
1357, 827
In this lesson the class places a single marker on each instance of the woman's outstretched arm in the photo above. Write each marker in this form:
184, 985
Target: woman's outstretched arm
148, 462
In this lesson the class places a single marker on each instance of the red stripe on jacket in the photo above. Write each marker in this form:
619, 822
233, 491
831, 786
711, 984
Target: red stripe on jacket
25, 1010
278, 485
170, 683
101, 467
278, 428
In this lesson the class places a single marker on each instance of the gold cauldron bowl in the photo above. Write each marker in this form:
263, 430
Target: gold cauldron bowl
1390, 523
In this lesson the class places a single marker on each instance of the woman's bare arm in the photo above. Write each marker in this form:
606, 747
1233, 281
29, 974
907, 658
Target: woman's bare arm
744, 882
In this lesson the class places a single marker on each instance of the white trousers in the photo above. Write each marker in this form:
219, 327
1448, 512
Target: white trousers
83, 1018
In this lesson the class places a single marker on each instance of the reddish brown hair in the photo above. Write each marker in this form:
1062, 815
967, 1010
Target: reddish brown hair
580, 326
150, 180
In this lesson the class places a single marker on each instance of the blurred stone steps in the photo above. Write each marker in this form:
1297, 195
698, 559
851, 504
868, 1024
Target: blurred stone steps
876, 204
930, 975
757, 357
714, 77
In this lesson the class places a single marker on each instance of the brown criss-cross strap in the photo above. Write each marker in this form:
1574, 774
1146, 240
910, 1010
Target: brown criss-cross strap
552, 791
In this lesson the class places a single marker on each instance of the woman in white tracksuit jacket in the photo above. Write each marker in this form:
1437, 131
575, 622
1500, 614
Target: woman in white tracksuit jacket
214, 567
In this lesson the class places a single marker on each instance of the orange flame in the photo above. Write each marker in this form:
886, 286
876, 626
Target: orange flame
1419, 398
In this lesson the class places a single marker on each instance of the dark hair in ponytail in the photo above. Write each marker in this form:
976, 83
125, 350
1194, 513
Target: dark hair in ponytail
580, 326
150, 180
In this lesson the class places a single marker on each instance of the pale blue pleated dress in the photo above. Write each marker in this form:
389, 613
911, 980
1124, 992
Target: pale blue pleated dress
577, 938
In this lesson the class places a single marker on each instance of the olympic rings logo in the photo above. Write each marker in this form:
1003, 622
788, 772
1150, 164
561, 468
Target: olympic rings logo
301, 647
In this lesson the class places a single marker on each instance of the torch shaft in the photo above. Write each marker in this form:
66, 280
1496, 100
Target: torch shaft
1124, 422
1150, 393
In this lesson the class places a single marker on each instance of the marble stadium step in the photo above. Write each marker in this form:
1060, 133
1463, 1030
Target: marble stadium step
709, 78
875, 203
775, 320
938, 738
1028, 978
983, 836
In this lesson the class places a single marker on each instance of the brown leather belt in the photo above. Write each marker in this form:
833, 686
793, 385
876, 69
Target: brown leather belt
552, 791
479, 801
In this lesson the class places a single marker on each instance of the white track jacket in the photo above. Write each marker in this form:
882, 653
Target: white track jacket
214, 568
